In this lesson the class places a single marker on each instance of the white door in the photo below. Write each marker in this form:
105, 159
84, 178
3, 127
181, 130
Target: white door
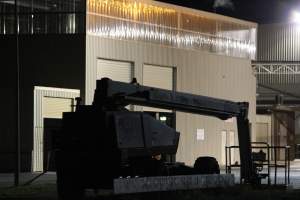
115, 70
160, 77
262, 130
48, 103
231, 142
53, 107
228, 139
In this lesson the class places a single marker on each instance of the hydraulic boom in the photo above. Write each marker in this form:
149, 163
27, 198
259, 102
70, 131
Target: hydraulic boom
105, 141
116, 93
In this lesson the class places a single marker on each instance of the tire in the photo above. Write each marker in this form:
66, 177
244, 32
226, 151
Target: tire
206, 165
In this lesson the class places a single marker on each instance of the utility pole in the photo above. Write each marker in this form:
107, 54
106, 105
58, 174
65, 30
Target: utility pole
17, 128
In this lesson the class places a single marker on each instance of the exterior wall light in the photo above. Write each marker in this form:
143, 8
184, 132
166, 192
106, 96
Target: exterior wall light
295, 18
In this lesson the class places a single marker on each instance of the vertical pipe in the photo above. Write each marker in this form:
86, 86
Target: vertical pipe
275, 165
31, 18
285, 166
226, 165
269, 178
288, 165
17, 131
4, 22
229, 158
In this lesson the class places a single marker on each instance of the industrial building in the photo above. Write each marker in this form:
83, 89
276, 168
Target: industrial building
63, 47
278, 75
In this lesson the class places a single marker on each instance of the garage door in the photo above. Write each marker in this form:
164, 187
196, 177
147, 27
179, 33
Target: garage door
115, 70
54, 107
157, 76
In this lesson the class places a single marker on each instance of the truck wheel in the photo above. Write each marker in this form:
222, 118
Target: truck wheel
206, 165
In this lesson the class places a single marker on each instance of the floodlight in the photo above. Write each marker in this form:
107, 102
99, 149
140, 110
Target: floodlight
295, 17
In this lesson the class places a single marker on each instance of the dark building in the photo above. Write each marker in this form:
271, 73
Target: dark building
50, 46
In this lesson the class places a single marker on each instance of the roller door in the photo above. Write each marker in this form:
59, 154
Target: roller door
54, 107
115, 70
158, 76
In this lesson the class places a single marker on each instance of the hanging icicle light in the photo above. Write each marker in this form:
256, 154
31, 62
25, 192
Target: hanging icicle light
136, 20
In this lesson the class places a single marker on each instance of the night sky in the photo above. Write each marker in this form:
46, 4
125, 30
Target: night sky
260, 11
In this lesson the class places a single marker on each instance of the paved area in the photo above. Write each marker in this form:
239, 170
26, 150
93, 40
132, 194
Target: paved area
44, 185
7, 180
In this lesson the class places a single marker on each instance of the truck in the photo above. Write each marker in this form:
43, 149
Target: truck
105, 141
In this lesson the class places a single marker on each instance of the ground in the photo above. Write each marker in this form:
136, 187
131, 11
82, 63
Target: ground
48, 192
43, 186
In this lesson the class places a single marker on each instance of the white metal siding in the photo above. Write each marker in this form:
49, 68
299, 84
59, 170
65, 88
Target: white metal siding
278, 42
115, 70
197, 72
38, 124
157, 76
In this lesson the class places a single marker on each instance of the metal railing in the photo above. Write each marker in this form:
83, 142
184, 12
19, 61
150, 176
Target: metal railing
266, 157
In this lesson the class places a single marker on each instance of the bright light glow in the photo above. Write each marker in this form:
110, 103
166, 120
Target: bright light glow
163, 118
296, 17
141, 21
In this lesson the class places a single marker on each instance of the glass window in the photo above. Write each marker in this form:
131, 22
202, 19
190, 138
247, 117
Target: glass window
25, 6
43, 16
7, 24
7, 6
25, 24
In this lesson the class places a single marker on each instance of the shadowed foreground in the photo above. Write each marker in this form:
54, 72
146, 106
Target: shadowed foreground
48, 192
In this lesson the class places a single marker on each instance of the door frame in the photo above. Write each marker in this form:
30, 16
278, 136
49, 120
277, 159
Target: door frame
38, 122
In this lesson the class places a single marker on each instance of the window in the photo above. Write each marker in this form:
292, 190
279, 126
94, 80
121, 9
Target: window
43, 16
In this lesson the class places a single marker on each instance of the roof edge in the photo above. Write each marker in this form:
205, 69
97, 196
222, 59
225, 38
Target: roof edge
201, 12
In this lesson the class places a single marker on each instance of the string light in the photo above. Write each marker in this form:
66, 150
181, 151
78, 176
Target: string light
133, 20
131, 6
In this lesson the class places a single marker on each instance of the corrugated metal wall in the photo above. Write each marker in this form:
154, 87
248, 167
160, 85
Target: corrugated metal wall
278, 42
197, 72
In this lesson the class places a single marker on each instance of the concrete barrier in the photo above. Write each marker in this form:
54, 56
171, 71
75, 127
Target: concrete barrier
171, 183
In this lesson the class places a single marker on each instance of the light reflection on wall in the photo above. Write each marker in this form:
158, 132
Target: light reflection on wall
134, 20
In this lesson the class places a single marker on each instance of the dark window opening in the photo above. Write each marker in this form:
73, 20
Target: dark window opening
43, 16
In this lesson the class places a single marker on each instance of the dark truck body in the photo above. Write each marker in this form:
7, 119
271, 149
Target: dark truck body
105, 141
